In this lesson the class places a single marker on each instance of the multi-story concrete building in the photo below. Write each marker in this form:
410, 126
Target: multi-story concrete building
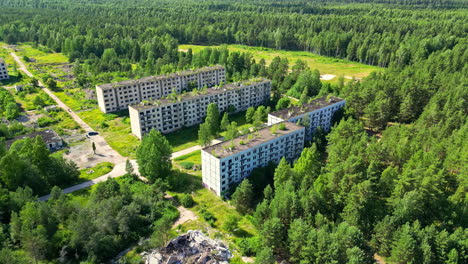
3, 70
188, 109
233, 160
117, 96
317, 113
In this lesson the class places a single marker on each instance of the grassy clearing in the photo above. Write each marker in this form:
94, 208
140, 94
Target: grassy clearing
194, 157
26, 100
190, 162
65, 122
41, 54
96, 171
74, 98
184, 138
326, 65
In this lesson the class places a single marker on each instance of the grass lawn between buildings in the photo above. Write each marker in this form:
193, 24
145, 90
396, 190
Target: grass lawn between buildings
96, 171
326, 65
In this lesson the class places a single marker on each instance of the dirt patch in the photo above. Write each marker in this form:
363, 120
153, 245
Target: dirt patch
29, 119
248, 260
185, 216
81, 152
327, 77
378, 259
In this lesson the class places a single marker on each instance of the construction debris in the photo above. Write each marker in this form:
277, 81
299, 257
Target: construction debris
191, 248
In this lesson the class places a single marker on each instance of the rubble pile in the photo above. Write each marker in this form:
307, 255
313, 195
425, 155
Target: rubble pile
191, 248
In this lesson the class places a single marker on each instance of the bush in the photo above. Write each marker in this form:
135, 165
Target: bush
248, 246
182, 182
187, 165
186, 200
231, 223
209, 217
104, 125
45, 121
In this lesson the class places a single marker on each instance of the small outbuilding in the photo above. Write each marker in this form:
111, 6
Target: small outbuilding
19, 88
52, 140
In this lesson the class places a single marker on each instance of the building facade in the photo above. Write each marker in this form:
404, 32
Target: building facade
113, 97
231, 161
188, 109
3, 70
317, 113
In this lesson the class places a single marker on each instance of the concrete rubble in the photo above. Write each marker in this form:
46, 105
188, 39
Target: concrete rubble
191, 248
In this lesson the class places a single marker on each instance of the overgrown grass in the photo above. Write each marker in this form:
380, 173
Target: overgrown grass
184, 138
41, 54
208, 201
194, 157
76, 103
191, 161
26, 102
96, 171
65, 122
326, 65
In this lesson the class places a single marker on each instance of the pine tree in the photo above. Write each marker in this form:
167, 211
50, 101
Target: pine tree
242, 198
282, 173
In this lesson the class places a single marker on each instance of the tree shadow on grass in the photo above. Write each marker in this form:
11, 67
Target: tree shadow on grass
183, 182
239, 232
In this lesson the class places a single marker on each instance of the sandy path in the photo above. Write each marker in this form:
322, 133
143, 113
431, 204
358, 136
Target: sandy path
185, 216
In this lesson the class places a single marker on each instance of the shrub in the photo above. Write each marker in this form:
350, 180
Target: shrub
45, 121
248, 246
209, 217
186, 200
231, 223
187, 165
104, 125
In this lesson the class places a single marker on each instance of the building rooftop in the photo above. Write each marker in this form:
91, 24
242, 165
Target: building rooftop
159, 77
49, 136
295, 111
171, 99
231, 147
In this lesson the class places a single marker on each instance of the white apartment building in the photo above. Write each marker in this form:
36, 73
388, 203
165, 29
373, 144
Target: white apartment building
3, 70
188, 109
113, 97
233, 160
317, 113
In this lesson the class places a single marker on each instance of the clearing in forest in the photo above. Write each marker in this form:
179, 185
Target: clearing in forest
326, 65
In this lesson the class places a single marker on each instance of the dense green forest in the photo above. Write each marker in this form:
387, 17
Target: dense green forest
391, 177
